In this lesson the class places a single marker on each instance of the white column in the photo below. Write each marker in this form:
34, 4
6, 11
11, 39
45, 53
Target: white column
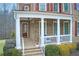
42, 32
58, 31
71, 30
18, 42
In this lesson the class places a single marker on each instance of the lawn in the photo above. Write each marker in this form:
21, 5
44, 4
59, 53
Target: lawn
2, 42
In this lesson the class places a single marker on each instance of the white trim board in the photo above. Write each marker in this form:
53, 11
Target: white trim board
46, 15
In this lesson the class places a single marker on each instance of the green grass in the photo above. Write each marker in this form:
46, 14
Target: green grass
2, 42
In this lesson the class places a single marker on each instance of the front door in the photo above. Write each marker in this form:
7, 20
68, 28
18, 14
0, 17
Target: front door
25, 29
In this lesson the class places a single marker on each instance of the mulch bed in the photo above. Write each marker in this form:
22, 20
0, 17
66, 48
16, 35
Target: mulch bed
75, 53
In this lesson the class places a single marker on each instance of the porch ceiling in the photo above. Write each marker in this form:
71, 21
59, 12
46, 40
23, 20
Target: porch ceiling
41, 15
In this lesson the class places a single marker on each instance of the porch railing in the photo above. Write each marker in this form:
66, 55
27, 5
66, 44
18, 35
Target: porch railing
64, 38
22, 46
50, 39
53, 39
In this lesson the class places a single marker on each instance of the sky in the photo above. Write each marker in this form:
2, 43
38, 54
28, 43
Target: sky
7, 6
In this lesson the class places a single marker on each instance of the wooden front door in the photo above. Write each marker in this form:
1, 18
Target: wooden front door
25, 29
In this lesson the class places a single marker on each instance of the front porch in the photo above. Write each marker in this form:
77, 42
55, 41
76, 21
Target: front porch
51, 29
32, 28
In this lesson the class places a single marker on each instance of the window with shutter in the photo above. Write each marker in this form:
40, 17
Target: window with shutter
56, 7
42, 7
66, 7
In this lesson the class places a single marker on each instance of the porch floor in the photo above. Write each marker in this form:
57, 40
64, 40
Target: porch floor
28, 43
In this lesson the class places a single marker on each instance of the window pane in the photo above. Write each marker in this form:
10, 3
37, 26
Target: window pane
66, 7
55, 7
55, 28
66, 28
42, 6
45, 28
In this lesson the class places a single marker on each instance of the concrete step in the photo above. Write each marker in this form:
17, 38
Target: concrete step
33, 52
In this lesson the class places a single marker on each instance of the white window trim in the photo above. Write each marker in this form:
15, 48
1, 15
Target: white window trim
68, 8
58, 7
77, 27
64, 27
45, 7
53, 26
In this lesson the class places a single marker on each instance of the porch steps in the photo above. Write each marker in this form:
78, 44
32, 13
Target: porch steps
33, 52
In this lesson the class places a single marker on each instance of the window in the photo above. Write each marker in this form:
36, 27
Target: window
66, 28
78, 28
25, 29
55, 28
45, 28
42, 7
56, 7
65, 7
25, 26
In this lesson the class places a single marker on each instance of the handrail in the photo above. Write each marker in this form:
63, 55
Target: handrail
50, 36
65, 35
56, 35
22, 46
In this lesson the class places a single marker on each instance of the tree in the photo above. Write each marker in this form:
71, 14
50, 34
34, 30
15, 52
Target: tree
6, 19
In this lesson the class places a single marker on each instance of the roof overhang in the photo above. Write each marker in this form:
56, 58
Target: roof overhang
31, 14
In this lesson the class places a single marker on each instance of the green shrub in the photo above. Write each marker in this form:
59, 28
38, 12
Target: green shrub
51, 50
8, 46
16, 52
72, 46
13, 35
78, 46
2, 43
12, 52
64, 50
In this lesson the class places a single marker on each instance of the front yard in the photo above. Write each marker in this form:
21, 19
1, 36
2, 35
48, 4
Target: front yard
2, 43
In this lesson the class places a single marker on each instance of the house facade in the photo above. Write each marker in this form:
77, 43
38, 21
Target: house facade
40, 24
75, 24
